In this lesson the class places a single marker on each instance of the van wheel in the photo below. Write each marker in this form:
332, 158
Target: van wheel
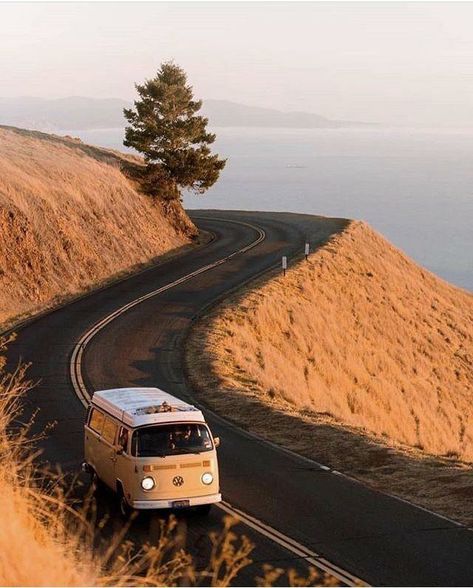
203, 509
125, 509
95, 483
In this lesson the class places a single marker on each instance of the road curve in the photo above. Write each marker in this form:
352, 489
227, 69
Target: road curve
317, 515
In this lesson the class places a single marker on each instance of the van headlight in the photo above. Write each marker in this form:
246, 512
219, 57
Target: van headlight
148, 483
207, 478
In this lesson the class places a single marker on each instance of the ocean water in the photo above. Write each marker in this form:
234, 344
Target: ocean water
414, 186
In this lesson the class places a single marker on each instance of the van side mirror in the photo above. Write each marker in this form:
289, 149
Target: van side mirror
119, 451
217, 442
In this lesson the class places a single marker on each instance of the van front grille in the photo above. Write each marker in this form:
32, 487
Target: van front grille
171, 466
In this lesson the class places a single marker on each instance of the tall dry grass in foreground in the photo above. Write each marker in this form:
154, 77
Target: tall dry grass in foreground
69, 218
32, 521
47, 539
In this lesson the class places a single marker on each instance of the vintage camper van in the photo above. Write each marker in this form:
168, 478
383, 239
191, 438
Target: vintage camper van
154, 450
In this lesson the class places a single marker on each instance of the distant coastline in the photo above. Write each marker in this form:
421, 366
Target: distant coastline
86, 114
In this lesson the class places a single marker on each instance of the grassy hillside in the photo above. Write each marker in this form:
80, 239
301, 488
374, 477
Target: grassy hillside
69, 218
358, 358
363, 334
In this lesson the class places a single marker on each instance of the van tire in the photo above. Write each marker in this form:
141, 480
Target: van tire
203, 509
125, 509
96, 483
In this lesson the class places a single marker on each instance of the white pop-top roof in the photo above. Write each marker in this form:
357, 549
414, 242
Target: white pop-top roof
145, 406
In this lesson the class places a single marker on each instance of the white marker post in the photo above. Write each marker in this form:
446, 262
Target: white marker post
284, 265
306, 251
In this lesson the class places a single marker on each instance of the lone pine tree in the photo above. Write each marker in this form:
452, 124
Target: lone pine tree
164, 127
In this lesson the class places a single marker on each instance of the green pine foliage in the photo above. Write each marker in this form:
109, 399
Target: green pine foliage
164, 126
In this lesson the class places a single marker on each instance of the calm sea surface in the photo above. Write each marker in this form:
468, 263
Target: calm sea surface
414, 186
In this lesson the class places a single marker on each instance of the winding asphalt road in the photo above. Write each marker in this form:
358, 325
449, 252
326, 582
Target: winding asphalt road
297, 512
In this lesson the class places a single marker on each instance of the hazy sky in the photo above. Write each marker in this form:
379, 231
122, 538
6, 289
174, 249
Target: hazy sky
390, 62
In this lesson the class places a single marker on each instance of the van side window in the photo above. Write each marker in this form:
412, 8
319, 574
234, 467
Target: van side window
96, 421
109, 430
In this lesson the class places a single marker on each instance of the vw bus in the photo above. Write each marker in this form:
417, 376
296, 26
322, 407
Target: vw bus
152, 449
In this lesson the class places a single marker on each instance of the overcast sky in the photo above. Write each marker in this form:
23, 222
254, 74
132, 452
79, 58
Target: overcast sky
389, 62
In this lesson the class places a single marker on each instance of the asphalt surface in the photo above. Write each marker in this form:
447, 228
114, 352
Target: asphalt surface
381, 540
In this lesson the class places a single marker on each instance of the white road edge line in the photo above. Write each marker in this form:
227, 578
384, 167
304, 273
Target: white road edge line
75, 371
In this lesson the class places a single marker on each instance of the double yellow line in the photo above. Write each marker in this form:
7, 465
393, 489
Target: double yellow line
75, 368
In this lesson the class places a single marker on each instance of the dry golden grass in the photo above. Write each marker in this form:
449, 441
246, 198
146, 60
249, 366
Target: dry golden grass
69, 218
26, 543
369, 352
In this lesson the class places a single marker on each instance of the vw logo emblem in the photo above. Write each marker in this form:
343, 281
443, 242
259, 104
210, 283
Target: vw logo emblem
178, 480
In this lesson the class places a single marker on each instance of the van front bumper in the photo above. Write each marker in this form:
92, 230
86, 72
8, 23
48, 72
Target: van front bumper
194, 501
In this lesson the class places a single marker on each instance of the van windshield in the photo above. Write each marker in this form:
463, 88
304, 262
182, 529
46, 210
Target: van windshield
162, 440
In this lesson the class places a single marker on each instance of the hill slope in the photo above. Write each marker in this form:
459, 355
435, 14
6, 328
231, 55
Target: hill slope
359, 335
69, 218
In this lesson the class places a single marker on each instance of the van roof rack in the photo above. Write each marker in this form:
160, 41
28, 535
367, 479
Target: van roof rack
145, 406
